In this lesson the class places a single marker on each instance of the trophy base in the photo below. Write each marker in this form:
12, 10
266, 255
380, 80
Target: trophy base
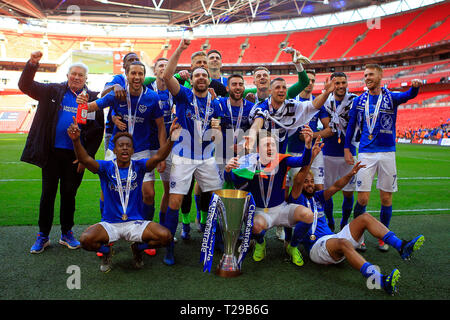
228, 274
228, 268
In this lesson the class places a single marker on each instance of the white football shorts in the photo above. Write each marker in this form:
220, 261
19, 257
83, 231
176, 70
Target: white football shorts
319, 253
129, 230
205, 172
281, 215
336, 168
383, 165
165, 175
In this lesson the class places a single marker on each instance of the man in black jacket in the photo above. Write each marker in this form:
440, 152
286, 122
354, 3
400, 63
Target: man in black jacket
49, 147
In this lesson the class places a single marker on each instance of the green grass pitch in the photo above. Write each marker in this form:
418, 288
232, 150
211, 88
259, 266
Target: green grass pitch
422, 205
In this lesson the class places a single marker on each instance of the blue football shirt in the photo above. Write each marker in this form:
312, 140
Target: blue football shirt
68, 110
189, 145
113, 210
322, 228
147, 110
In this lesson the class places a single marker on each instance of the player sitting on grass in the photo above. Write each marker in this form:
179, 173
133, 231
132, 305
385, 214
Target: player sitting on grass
325, 247
122, 217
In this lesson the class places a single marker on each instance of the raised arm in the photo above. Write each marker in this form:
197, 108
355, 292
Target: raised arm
299, 178
299, 86
402, 97
305, 159
328, 88
303, 80
342, 182
84, 99
172, 83
83, 157
27, 85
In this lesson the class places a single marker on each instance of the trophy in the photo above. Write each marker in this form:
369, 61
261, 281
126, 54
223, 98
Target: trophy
230, 220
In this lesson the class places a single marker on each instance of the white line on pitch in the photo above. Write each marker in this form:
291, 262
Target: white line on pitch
405, 178
406, 210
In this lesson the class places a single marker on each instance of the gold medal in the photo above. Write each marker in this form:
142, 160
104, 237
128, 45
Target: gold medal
124, 217
266, 210
312, 237
370, 137
339, 140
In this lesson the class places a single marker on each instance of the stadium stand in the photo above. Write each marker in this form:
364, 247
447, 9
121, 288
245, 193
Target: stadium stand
417, 27
411, 120
263, 48
230, 48
185, 59
339, 40
305, 41
12, 120
377, 37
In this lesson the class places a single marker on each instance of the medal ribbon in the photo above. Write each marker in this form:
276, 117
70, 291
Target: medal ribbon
132, 120
266, 200
123, 200
371, 124
314, 209
201, 130
238, 121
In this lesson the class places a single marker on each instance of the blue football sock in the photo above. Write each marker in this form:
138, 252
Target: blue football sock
143, 246
386, 215
359, 210
104, 249
102, 206
368, 270
259, 237
347, 206
287, 234
162, 217
391, 239
171, 220
300, 231
328, 210
148, 211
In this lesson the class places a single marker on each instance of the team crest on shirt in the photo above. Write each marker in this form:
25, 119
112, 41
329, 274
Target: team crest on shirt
386, 122
142, 108
133, 177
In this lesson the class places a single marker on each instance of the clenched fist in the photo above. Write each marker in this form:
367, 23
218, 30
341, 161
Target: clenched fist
35, 57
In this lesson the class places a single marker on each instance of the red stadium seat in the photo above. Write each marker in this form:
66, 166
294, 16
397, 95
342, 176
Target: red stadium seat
229, 48
263, 48
339, 40
375, 38
418, 27
304, 41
